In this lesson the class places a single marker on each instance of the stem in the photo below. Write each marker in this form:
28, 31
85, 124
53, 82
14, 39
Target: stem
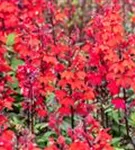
125, 116
53, 30
126, 123
85, 130
102, 115
107, 120
72, 117
28, 116
31, 110
50, 15
82, 20
17, 142
119, 122
126, 120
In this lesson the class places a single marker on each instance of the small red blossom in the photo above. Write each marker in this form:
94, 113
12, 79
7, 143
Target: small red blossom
119, 103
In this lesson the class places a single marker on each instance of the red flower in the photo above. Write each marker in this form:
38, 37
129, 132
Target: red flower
79, 146
119, 103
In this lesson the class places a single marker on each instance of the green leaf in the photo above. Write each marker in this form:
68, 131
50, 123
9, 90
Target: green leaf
116, 141
15, 119
43, 139
132, 119
114, 115
50, 97
108, 110
40, 126
116, 148
10, 39
132, 116
75, 2
16, 62
68, 140
130, 92
51, 103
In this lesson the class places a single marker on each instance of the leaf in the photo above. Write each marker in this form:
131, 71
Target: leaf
40, 126
114, 115
130, 92
133, 116
115, 141
108, 110
50, 97
16, 62
119, 148
75, 2
51, 102
10, 39
44, 139
132, 119
15, 120
65, 124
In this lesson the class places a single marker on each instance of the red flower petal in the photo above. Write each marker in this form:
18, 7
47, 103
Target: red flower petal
119, 103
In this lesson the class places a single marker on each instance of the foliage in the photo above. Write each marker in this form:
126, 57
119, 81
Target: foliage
67, 75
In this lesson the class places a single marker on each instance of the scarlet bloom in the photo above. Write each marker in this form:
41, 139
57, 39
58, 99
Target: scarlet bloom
112, 86
119, 103
52, 147
79, 146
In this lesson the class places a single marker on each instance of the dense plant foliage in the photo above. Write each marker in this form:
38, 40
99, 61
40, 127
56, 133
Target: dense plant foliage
67, 75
